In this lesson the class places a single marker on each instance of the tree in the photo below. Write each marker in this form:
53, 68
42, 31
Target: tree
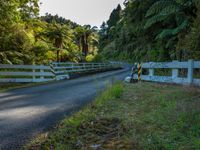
84, 35
16, 45
29, 9
114, 17
148, 30
26, 38
9, 13
59, 35
60, 20
188, 46
13, 38
16, 40
173, 10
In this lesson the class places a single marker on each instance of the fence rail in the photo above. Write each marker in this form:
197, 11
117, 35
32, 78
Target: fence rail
175, 66
25, 73
55, 71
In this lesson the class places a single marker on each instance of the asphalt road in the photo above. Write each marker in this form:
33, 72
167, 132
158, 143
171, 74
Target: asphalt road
26, 112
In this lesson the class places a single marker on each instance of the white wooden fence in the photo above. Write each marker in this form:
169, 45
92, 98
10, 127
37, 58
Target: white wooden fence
175, 66
56, 71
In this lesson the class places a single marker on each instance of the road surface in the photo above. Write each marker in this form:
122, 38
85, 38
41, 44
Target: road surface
26, 112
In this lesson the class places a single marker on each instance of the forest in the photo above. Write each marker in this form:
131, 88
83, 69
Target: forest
142, 30
27, 38
152, 30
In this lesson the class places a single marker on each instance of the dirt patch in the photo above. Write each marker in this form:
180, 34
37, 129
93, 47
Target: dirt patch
102, 133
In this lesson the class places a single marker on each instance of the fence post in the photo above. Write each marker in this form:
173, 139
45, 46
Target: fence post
151, 72
33, 72
72, 67
84, 66
175, 71
190, 71
93, 66
41, 73
52, 69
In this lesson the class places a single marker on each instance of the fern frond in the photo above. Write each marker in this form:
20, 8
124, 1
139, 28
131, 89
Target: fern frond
181, 27
180, 17
165, 33
157, 7
154, 19
13, 53
172, 32
162, 14
168, 10
171, 42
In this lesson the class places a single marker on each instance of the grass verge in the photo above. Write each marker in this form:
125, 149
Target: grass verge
131, 116
13, 86
10, 86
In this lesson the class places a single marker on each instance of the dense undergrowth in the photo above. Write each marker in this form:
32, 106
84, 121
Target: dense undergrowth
152, 30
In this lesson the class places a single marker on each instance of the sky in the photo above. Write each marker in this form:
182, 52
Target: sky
92, 12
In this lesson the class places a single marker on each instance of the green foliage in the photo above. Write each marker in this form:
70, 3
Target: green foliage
9, 11
60, 20
163, 10
164, 7
15, 44
27, 39
87, 38
117, 90
29, 9
157, 18
146, 26
191, 43
171, 32
114, 17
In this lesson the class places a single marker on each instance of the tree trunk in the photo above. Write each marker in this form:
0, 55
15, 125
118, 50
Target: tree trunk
83, 44
79, 44
86, 49
58, 56
86, 45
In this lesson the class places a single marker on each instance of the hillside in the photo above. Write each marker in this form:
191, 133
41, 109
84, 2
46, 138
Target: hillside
152, 30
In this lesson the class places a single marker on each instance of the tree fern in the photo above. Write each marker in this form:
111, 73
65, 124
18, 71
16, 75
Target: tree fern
165, 33
180, 17
6, 55
154, 19
170, 9
172, 32
159, 6
171, 42
160, 11
181, 27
